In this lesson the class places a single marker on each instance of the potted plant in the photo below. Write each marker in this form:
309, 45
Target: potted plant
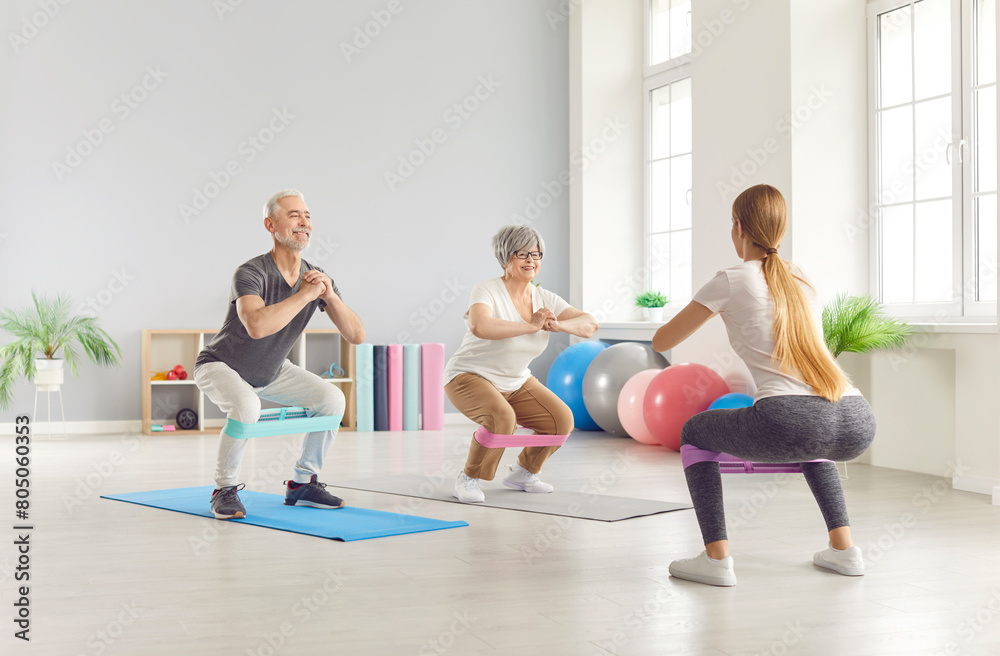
40, 332
857, 324
652, 303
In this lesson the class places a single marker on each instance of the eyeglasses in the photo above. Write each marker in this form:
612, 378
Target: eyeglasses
535, 255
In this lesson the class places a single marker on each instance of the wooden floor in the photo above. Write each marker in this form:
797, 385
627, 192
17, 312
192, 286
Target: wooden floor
115, 578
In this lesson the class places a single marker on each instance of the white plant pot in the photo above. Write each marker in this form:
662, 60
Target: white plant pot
50, 374
653, 315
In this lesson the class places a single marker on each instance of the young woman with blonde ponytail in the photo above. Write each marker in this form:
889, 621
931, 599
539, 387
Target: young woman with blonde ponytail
805, 407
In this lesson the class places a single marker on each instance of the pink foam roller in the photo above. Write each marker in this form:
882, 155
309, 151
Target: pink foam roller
494, 441
394, 372
432, 385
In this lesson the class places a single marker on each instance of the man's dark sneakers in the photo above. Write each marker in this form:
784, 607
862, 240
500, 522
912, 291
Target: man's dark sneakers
312, 494
226, 503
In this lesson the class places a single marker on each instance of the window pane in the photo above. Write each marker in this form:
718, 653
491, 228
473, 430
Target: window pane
660, 122
659, 196
932, 48
896, 155
986, 139
659, 270
680, 266
897, 254
930, 166
933, 270
986, 247
895, 58
680, 192
659, 31
986, 42
680, 117
680, 27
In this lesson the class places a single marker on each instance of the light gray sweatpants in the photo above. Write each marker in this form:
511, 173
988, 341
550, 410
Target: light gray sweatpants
294, 386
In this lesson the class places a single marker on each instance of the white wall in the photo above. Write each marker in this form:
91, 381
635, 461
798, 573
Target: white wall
606, 159
827, 129
741, 91
405, 259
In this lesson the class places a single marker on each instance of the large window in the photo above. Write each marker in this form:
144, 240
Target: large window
667, 89
934, 153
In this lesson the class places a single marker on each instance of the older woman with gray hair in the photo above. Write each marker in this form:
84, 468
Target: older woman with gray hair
488, 380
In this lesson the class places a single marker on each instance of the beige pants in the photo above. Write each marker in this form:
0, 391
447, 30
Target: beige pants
533, 406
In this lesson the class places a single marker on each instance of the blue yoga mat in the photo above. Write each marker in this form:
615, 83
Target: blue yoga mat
269, 510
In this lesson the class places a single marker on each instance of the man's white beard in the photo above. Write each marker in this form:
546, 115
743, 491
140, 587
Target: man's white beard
291, 243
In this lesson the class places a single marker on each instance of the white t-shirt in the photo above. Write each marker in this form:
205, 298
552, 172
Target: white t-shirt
740, 296
503, 362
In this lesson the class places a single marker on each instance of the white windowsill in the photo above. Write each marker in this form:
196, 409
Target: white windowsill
643, 331
640, 331
967, 327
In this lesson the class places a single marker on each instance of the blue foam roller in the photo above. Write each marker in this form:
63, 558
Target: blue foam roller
411, 386
364, 369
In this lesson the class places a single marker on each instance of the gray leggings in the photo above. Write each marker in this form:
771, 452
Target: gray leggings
779, 429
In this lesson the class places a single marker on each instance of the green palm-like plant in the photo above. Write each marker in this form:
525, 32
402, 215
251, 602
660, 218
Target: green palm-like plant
857, 324
43, 330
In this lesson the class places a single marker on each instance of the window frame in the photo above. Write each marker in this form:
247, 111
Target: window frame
965, 275
654, 77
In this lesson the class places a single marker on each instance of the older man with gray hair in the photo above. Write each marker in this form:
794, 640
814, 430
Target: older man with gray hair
488, 380
271, 299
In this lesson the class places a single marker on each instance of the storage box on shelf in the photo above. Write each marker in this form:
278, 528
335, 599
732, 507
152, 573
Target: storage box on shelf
163, 349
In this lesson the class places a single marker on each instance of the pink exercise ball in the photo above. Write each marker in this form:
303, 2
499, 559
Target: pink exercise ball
676, 394
630, 406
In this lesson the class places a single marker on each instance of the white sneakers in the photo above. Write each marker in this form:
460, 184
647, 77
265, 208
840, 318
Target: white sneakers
848, 562
467, 489
702, 569
520, 478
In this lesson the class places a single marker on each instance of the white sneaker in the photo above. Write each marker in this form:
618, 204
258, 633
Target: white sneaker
467, 490
702, 569
848, 562
520, 478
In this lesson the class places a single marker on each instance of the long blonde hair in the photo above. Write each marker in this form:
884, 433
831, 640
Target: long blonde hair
798, 348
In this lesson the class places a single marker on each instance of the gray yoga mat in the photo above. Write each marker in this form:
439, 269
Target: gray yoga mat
565, 503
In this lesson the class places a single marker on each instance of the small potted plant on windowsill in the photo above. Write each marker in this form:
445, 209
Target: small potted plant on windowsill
40, 332
652, 303
857, 324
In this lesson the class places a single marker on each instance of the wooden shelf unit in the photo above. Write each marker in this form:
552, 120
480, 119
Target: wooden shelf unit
162, 349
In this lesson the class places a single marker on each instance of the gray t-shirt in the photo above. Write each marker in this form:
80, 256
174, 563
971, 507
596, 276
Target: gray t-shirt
257, 361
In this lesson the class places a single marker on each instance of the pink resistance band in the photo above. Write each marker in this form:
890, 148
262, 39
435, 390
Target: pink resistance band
492, 441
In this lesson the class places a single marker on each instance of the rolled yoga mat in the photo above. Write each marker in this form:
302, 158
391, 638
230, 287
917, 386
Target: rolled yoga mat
364, 364
432, 385
381, 389
394, 376
411, 387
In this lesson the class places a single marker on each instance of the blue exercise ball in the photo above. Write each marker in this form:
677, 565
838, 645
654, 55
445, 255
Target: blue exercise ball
607, 375
566, 379
731, 401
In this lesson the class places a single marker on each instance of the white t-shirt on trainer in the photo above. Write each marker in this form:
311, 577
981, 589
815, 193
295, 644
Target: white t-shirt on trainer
503, 362
740, 296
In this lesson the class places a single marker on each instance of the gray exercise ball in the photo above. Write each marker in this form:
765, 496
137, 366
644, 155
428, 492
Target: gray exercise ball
607, 375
